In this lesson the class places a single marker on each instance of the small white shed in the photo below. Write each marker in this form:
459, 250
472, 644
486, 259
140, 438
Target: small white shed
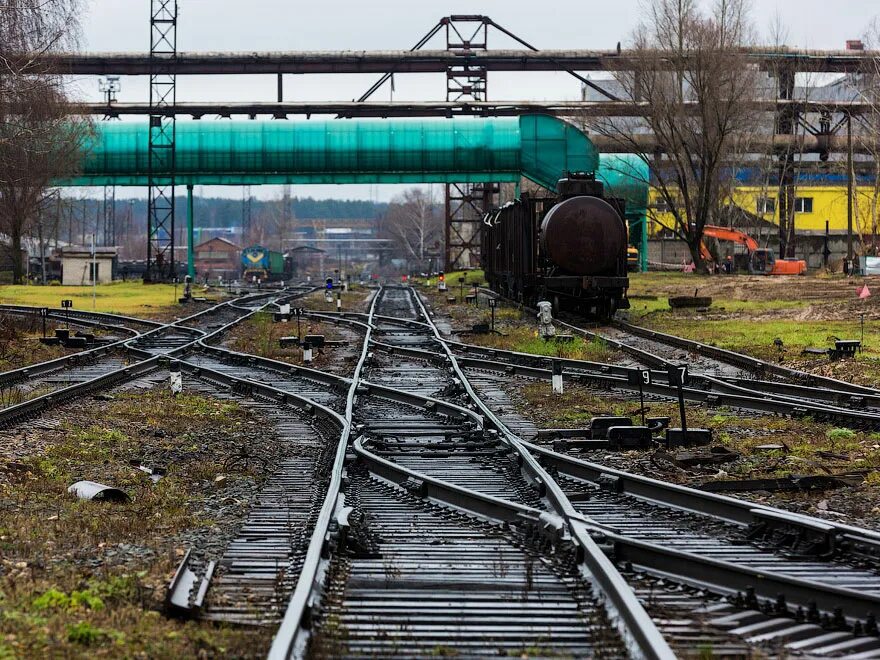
77, 265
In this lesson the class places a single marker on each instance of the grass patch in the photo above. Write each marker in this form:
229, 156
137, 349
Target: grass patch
20, 345
129, 298
758, 339
804, 439
520, 338
260, 335
88, 579
354, 299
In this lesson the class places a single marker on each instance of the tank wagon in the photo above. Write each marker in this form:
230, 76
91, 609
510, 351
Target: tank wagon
570, 249
264, 264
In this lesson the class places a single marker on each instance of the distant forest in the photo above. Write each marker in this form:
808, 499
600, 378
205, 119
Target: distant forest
74, 220
226, 212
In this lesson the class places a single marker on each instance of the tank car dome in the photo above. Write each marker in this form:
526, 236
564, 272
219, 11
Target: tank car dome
583, 235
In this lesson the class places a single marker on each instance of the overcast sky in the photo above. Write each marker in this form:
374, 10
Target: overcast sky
258, 25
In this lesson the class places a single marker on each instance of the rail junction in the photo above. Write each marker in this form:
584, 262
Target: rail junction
421, 515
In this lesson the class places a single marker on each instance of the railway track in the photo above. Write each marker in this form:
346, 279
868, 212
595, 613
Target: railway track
392, 543
717, 377
50, 383
411, 521
819, 604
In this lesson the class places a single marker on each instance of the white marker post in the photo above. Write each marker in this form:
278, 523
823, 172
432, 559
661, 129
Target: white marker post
176, 380
307, 353
284, 310
557, 377
338, 302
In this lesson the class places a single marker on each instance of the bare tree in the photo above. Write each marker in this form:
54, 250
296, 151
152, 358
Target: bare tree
40, 141
867, 130
415, 224
273, 224
692, 82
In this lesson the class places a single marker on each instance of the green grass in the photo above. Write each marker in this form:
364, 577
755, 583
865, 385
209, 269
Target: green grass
661, 305
131, 298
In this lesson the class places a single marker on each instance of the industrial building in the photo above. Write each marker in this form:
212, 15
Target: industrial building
81, 266
218, 258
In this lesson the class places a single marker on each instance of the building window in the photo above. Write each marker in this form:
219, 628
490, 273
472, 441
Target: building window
94, 271
766, 205
803, 204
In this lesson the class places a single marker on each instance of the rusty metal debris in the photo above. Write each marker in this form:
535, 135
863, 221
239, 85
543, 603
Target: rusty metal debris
793, 483
186, 592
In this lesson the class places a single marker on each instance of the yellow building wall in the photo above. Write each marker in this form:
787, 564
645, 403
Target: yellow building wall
829, 203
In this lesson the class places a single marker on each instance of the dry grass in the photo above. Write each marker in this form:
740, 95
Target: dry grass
87, 579
260, 335
803, 438
20, 345
354, 299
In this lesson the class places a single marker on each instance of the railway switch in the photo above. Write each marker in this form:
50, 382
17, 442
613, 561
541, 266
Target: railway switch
599, 426
688, 437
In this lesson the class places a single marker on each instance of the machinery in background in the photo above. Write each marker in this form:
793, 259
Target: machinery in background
265, 265
760, 261
633, 259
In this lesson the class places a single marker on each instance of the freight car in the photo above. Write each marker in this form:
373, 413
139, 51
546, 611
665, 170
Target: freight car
570, 249
264, 264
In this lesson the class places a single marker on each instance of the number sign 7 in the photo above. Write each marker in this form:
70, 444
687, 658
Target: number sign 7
678, 374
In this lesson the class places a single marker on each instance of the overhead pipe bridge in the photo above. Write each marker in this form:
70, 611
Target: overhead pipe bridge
541, 148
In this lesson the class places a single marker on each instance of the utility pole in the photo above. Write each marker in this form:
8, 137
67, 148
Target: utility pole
41, 248
849, 190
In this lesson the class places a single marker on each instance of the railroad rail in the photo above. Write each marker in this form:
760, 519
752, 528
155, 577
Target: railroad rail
90, 371
856, 409
718, 377
815, 602
429, 526
418, 420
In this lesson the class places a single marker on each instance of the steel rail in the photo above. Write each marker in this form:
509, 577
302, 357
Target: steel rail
633, 622
718, 391
293, 641
444, 492
733, 514
729, 572
665, 492
292, 636
44, 402
781, 390
118, 319
723, 576
753, 364
722, 507
73, 320
13, 376
795, 400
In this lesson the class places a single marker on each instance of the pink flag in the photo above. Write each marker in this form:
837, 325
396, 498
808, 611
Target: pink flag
864, 292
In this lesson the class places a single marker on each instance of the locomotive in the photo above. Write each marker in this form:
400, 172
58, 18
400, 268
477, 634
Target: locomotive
570, 249
264, 264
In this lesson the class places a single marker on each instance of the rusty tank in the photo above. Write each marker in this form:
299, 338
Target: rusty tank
583, 235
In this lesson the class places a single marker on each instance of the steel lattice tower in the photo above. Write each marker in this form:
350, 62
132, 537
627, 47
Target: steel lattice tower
466, 203
163, 95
